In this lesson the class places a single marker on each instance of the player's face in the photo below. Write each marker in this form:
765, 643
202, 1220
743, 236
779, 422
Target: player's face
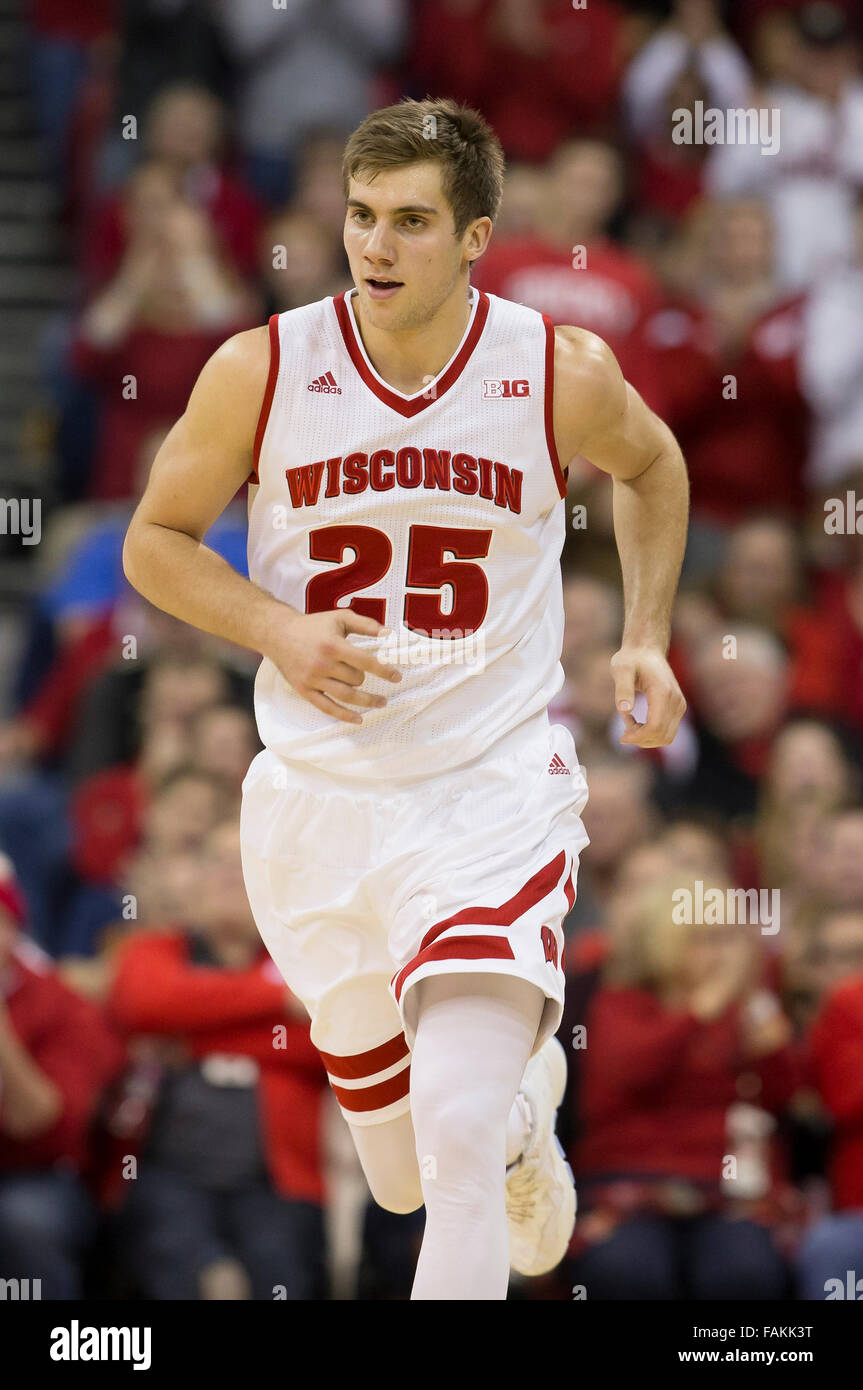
400, 241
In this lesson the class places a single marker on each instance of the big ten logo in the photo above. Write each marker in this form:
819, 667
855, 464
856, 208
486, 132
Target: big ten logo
549, 945
504, 388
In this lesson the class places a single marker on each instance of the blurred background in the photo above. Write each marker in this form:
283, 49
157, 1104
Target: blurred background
170, 173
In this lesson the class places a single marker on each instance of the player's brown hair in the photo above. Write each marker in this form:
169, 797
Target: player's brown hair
457, 136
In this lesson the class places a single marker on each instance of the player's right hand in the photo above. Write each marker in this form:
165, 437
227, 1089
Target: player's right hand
314, 655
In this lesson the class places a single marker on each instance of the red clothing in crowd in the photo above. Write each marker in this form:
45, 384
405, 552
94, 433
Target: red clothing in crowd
666, 182
70, 1040
844, 659
743, 453
837, 1049
58, 19
107, 813
232, 209
657, 1085
611, 294
52, 710
159, 991
165, 367
532, 100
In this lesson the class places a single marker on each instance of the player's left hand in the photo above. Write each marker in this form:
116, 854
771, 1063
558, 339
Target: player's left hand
645, 669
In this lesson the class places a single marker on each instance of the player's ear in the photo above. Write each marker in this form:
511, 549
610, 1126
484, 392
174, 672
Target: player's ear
477, 237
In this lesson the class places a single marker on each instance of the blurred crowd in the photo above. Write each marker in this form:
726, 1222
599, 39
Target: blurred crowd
166, 1129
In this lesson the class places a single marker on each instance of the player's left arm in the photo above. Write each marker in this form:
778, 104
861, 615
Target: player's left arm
599, 415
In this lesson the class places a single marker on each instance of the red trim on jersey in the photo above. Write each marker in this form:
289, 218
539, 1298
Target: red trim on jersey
374, 1097
559, 473
457, 948
270, 391
409, 406
359, 1064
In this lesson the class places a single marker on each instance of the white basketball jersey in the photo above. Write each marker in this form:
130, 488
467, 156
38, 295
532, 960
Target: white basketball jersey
439, 513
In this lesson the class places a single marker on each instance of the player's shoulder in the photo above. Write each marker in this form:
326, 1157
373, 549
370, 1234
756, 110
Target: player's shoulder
246, 353
584, 364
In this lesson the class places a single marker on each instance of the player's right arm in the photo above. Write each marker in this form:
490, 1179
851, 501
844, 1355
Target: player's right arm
205, 459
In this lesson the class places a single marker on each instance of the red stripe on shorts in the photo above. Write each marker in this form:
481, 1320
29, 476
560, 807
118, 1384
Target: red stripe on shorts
457, 948
570, 891
374, 1097
360, 1064
533, 892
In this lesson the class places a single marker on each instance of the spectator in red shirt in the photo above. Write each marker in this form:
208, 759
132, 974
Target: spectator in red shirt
183, 133
830, 1259
841, 599
563, 65
230, 1172
688, 1058
761, 580
725, 354
690, 58
571, 270
57, 1055
145, 337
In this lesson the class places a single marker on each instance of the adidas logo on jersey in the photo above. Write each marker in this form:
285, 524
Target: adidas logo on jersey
498, 389
559, 766
326, 383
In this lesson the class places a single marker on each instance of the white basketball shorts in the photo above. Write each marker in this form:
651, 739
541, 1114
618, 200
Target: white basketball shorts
362, 889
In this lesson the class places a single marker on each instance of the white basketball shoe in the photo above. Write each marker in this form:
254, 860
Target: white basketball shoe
540, 1189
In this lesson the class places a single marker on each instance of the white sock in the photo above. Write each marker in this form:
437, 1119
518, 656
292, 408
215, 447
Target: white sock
473, 1040
518, 1128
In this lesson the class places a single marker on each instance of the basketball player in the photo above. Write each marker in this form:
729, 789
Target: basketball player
412, 829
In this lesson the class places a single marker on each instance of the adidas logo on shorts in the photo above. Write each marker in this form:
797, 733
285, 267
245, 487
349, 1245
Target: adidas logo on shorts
559, 766
327, 383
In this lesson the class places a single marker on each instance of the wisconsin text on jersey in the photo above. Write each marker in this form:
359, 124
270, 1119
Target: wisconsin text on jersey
411, 467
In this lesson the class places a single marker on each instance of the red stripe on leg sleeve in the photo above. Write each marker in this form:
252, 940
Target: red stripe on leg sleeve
360, 1064
375, 1097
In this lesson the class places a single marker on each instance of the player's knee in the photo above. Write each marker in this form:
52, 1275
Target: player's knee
458, 1126
398, 1197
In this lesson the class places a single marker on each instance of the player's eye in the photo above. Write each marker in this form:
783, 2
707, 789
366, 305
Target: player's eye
357, 213
420, 221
